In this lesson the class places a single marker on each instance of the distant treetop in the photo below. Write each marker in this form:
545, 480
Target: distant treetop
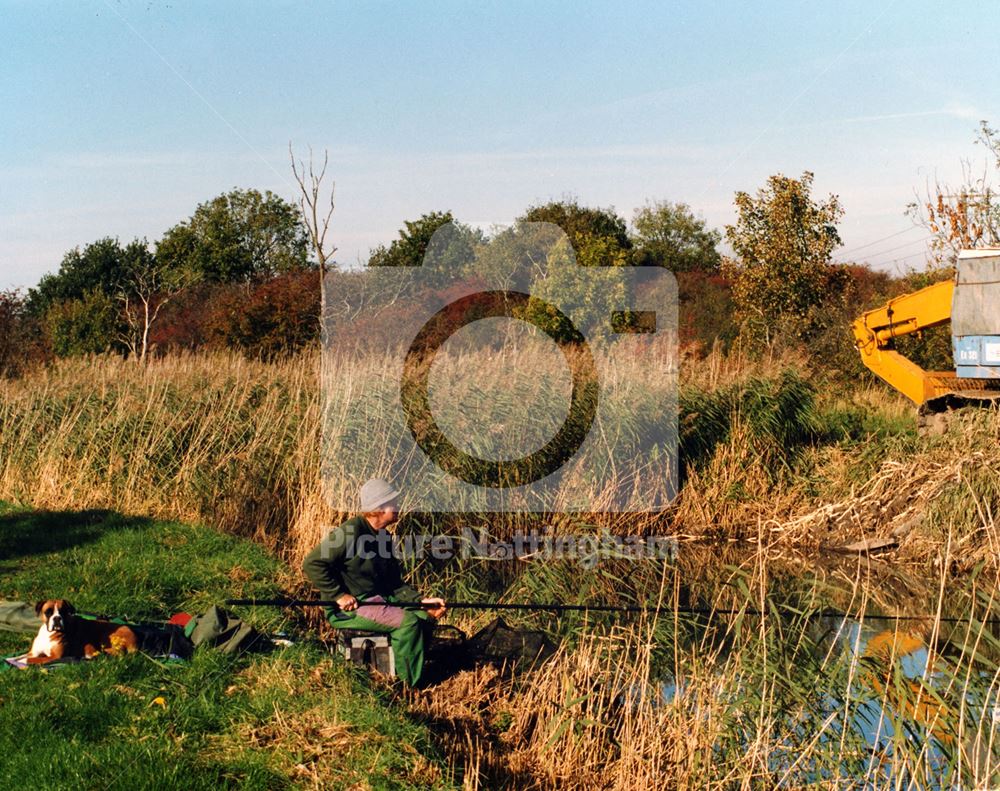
240, 236
580, 222
670, 235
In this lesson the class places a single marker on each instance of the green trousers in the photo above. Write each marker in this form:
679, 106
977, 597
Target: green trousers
407, 630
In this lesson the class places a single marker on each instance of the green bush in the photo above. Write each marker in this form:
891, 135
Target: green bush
90, 325
779, 415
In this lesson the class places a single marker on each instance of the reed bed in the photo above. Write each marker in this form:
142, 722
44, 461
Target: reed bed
239, 444
769, 459
739, 701
214, 439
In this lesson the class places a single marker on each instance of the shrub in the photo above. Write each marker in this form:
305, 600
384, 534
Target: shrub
778, 415
705, 312
21, 339
182, 325
274, 319
90, 325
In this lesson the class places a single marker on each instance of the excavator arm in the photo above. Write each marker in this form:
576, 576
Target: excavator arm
875, 330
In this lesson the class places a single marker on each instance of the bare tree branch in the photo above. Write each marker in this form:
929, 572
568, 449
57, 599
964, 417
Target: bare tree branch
316, 213
149, 287
964, 216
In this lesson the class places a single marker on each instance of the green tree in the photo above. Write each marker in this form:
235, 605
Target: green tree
670, 235
88, 325
453, 247
104, 279
590, 300
99, 267
782, 242
238, 237
580, 222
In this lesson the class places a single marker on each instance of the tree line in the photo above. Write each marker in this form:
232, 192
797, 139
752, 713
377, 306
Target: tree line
242, 272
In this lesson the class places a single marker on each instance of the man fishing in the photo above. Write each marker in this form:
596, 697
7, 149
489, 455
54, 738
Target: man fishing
355, 566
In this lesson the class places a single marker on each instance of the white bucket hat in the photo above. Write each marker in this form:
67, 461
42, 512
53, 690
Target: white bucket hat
376, 493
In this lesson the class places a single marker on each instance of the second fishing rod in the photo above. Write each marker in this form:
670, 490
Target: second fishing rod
558, 607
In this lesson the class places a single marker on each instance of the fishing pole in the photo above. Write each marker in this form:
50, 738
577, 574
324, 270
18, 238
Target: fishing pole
609, 608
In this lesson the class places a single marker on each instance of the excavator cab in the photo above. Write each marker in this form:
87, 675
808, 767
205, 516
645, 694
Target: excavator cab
975, 315
971, 302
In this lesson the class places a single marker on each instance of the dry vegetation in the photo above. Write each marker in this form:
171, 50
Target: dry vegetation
237, 444
771, 462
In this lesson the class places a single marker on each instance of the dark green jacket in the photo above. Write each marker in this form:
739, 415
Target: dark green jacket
348, 560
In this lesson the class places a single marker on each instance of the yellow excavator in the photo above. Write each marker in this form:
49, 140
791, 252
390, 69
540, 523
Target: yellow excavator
971, 302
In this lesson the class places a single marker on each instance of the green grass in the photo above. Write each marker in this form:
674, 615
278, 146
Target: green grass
139, 568
293, 718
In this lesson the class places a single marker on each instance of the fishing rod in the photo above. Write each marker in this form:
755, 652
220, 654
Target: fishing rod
554, 607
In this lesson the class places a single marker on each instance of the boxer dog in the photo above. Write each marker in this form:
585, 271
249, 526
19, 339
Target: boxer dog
63, 635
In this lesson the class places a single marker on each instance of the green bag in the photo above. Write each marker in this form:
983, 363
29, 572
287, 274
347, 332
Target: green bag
223, 631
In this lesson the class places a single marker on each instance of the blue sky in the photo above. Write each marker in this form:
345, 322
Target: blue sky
119, 118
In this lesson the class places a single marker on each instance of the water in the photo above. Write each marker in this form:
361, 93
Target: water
879, 712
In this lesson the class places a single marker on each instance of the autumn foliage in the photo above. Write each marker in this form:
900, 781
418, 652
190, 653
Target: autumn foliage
266, 320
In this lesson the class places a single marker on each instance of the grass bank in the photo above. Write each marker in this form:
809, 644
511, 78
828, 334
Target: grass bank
710, 701
296, 718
